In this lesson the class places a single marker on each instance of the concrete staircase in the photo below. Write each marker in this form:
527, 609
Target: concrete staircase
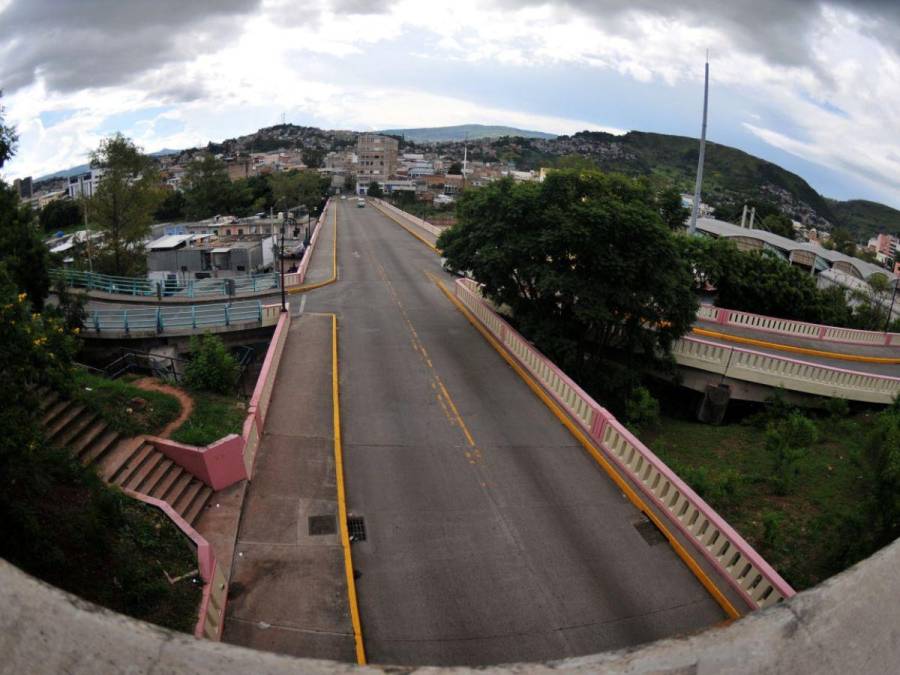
130, 463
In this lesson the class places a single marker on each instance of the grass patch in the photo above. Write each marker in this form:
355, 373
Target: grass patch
730, 467
214, 416
127, 409
85, 537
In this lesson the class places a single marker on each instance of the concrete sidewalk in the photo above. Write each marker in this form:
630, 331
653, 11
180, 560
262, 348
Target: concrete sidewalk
322, 266
288, 590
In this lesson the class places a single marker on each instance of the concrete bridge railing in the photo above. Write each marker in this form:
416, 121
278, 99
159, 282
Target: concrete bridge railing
813, 331
748, 574
780, 371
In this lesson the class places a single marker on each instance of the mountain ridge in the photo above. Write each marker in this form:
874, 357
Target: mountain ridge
461, 132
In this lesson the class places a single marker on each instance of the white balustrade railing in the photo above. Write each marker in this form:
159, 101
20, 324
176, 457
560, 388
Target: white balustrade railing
718, 543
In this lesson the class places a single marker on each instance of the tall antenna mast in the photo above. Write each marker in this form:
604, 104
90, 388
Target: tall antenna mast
695, 207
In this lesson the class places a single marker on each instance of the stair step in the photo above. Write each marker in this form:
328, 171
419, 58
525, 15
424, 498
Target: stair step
127, 463
54, 410
62, 421
76, 429
88, 437
174, 492
165, 483
196, 507
47, 398
187, 495
152, 480
146, 468
95, 450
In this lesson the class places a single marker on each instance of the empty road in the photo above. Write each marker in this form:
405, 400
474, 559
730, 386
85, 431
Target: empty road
490, 535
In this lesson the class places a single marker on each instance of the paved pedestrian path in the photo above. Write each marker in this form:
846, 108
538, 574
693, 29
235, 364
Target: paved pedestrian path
288, 589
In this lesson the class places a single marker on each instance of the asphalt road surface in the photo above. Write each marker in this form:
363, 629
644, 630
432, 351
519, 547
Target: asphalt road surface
490, 535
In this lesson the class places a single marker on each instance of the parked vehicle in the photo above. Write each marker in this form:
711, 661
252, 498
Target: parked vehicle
360, 203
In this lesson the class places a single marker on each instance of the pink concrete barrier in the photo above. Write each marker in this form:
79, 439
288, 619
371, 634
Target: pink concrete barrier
813, 331
212, 603
297, 278
743, 569
218, 465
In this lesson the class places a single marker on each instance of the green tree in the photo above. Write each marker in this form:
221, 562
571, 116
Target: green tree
172, 208
209, 191
374, 190
313, 157
455, 169
578, 260
576, 162
671, 210
841, 241
881, 461
212, 367
124, 203
22, 252
61, 214
778, 223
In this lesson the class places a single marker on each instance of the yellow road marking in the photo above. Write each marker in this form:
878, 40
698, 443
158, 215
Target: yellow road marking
310, 287
582, 438
797, 350
412, 232
342, 497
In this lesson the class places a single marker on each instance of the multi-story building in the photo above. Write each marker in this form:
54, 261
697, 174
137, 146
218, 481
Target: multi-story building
84, 184
377, 159
24, 187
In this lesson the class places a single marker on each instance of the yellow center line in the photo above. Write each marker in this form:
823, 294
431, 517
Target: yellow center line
594, 452
797, 350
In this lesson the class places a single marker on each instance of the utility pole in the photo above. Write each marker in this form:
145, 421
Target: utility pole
281, 265
890, 314
695, 208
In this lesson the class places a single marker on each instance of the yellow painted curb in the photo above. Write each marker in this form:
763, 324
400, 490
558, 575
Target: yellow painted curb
342, 497
413, 233
797, 350
310, 287
604, 463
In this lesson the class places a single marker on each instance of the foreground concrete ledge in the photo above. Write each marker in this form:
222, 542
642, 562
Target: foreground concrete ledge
849, 624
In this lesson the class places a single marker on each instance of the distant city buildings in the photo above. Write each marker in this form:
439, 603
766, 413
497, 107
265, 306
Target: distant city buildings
377, 159
84, 184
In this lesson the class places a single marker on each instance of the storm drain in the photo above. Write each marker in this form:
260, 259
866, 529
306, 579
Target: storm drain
356, 528
650, 532
322, 525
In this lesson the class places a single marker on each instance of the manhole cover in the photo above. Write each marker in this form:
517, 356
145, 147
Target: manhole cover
648, 530
322, 525
356, 528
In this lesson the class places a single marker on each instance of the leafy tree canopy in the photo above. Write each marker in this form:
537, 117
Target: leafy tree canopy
209, 191
585, 263
124, 203
374, 190
779, 224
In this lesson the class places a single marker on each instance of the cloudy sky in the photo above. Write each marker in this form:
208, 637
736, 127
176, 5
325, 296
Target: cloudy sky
811, 85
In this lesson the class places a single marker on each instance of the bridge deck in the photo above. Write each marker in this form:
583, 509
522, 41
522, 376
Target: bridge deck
491, 535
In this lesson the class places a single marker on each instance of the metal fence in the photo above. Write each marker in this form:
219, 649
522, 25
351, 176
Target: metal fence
193, 288
161, 319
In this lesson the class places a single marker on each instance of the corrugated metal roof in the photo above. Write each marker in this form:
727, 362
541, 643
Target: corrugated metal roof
222, 249
168, 241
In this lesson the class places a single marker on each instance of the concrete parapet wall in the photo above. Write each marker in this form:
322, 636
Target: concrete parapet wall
735, 561
812, 331
780, 371
219, 464
424, 224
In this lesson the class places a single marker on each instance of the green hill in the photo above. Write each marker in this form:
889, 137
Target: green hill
865, 219
462, 132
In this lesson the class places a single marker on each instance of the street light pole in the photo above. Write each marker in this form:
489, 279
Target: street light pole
281, 263
890, 314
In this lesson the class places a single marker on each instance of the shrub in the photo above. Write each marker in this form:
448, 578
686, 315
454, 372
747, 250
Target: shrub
641, 409
787, 442
212, 367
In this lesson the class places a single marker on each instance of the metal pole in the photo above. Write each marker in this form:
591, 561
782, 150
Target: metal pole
890, 314
281, 264
695, 207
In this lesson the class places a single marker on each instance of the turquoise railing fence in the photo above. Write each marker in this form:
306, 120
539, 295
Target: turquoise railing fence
161, 319
193, 288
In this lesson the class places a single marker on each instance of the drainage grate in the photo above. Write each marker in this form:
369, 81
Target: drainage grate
649, 531
322, 525
356, 527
